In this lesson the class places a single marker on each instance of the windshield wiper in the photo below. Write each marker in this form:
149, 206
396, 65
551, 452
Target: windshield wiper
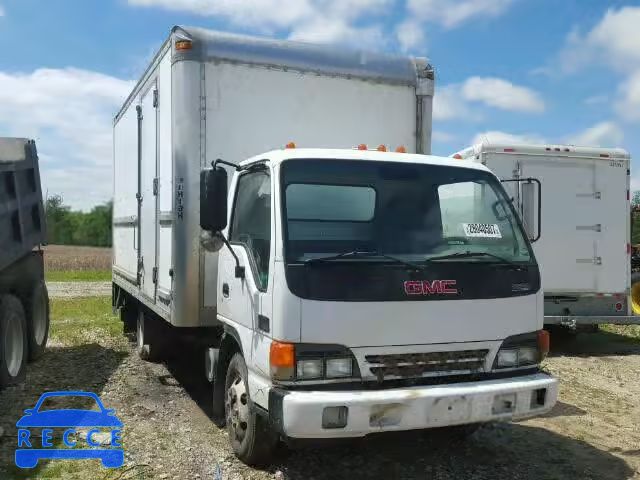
362, 253
472, 255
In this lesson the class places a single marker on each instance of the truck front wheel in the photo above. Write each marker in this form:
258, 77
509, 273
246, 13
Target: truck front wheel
13, 340
252, 440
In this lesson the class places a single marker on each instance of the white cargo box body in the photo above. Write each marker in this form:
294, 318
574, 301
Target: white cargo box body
232, 97
583, 245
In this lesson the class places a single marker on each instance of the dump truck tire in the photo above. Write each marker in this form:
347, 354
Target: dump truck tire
36, 307
13, 341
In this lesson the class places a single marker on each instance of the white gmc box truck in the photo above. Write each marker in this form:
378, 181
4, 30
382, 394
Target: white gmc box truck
334, 292
574, 204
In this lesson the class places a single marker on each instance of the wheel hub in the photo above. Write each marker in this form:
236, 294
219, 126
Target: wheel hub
237, 408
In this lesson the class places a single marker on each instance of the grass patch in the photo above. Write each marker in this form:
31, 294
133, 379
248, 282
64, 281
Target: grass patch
630, 332
77, 275
79, 321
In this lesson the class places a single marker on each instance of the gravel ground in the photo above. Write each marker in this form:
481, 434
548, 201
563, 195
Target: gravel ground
593, 433
78, 289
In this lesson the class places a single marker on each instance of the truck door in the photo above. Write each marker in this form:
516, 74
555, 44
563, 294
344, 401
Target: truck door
148, 177
568, 250
247, 302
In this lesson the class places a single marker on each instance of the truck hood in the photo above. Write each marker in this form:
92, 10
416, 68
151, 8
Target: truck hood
370, 324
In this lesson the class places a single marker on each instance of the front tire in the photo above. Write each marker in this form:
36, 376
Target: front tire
13, 340
251, 438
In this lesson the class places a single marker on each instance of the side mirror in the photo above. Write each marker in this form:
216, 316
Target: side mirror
531, 209
213, 199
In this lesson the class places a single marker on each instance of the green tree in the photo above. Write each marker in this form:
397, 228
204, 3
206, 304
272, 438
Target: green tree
67, 227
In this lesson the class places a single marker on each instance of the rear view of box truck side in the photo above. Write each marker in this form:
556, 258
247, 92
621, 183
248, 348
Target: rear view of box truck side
208, 95
584, 229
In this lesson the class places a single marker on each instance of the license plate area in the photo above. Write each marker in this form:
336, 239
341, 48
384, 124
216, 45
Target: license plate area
449, 409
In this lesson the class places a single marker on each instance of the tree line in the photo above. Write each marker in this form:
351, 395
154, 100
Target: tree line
69, 227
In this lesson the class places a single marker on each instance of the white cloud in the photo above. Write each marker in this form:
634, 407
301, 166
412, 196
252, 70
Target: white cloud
338, 31
603, 134
267, 14
411, 35
440, 136
628, 104
615, 40
452, 13
595, 100
448, 103
353, 22
69, 112
2, 12
499, 137
502, 94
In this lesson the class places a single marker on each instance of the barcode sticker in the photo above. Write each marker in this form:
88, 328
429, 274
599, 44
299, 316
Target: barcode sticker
485, 230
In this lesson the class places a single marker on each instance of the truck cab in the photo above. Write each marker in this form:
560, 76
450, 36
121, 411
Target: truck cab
365, 291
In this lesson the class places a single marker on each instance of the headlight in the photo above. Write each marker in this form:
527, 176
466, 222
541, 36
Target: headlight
309, 369
291, 362
339, 368
527, 356
507, 358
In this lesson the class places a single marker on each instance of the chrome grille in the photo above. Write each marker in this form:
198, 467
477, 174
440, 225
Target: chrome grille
407, 365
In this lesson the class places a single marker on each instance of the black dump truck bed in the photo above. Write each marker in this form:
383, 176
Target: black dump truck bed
22, 220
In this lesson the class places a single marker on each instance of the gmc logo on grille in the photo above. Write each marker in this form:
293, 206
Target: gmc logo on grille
435, 287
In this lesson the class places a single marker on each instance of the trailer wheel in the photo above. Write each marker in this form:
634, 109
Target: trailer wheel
251, 439
148, 345
635, 293
37, 310
13, 340
129, 317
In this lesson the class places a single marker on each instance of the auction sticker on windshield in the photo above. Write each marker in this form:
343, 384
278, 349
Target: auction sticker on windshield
485, 230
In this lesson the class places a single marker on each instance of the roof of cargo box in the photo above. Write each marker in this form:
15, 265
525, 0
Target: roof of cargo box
572, 151
276, 157
333, 60
12, 149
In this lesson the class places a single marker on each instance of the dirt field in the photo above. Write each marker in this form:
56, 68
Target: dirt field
593, 433
78, 289
73, 258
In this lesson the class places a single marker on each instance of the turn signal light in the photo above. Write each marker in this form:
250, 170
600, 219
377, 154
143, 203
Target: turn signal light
184, 45
381, 148
457, 156
544, 343
401, 149
290, 145
362, 146
282, 360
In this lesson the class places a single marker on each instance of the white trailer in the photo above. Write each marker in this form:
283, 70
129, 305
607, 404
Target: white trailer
583, 233
325, 287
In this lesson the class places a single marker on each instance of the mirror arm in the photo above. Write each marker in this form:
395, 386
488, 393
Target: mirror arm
224, 162
240, 272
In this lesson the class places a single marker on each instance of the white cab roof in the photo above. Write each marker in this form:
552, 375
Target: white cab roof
542, 149
276, 157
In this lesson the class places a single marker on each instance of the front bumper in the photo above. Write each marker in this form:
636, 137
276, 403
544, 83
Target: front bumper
299, 414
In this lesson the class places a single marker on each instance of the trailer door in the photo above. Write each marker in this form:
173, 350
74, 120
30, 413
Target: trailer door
568, 251
149, 188
612, 209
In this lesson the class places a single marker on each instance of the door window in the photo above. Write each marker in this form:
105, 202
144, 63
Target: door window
251, 224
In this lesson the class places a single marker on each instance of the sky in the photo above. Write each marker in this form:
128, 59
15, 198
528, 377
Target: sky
537, 71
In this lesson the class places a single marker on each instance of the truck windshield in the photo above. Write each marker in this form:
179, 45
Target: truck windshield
421, 214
